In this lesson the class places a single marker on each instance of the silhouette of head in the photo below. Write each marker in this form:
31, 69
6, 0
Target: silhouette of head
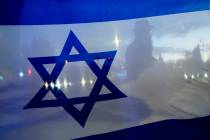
142, 31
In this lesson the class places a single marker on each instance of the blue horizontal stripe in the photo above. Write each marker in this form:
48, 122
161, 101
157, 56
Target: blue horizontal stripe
32, 12
186, 129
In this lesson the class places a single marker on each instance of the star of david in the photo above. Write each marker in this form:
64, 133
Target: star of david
61, 100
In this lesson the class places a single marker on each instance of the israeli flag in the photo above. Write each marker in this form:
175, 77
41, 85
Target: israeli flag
77, 69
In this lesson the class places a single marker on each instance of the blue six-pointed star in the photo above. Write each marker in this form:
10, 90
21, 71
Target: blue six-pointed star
61, 100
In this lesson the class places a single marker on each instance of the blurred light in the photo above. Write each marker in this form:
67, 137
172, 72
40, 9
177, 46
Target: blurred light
66, 61
52, 85
205, 55
65, 84
192, 76
121, 75
70, 83
58, 84
21, 74
83, 81
29, 72
205, 75
1, 77
117, 41
91, 81
46, 85
185, 76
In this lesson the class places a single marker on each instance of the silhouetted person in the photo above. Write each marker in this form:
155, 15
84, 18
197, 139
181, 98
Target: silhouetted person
139, 53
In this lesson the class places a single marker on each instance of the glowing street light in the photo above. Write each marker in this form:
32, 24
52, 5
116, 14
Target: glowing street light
117, 41
83, 81
192, 76
91, 81
52, 85
46, 85
65, 83
58, 84
205, 75
21, 74
185, 76
70, 83
29, 72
